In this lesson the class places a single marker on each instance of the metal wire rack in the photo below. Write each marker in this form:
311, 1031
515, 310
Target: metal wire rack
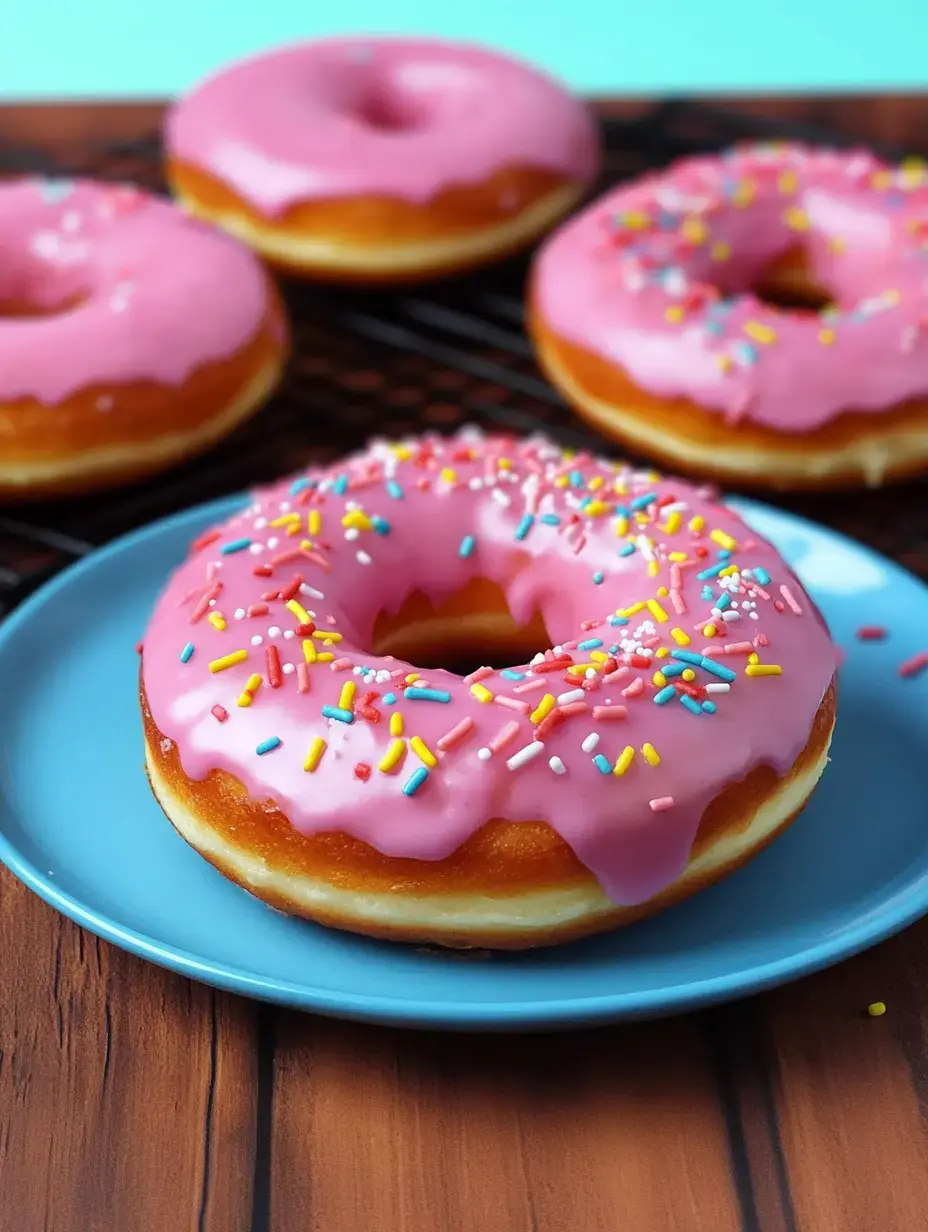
392, 363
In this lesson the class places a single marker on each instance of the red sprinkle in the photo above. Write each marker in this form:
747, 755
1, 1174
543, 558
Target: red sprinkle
306, 630
302, 677
258, 609
205, 540
292, 588
914, 666
872, 633
220, 712
553, 719
262, 571
274, 674
362, 771
138, 647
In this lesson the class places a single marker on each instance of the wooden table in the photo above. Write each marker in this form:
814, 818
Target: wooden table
132, 1100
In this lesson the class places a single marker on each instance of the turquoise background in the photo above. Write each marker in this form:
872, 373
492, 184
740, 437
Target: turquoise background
99, 48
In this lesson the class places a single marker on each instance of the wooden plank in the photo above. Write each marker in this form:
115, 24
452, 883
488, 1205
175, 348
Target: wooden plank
621, 1128
126, 1093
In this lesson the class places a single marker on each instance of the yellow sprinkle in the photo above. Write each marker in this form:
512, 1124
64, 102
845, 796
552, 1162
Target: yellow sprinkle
326, 635
743, 194
229, 660
578, 669
402, 452
796, 219
355, 519
246, 697
659, 679
411, 678
913, 162
697, 523
837, 244
728, 571
346, 697
598, 656
294, 528
307, 545
314, 522
681, 637
788, 182
545, 706
688, 674
760, 332
636, 220
678, 557
890, 297
725, 363
876, 1009
675, 313
709, 631
723, 540
596, 483
396, 724
624, 760
395, 753
720, 251
661, 653
763, 669
309, 651
631, 611
673, 523
881, 180
826, 336
328, 657
505, 464
422, 751
216, 620
449, 475
299, 611
656, 610
754, 657
561, 481
286, 519
314, 756
596, 509
694, 230
481, 692
653, 568
662, 592
650, 754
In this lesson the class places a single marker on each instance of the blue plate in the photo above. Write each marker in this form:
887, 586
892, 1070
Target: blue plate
79, 826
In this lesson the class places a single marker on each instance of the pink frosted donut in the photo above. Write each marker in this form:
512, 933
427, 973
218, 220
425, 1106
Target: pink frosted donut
761, 315
131, 336
377, 159
670, 712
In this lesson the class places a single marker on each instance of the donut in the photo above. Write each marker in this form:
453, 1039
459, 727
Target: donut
131, 336
376, 160
759, 316
671, 712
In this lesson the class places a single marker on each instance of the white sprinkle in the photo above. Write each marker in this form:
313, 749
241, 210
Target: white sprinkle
589, 673
257, 640
288, 633
484, 754
572, 695
525, 755
539, 658
239, 613
352, 532
256, 549
309, 590
754, 616
721, 687
363, 558
501, 498
273, 541
475, 484
590, 742
730, 617
288, 669
557, 765
274, 631
260, 523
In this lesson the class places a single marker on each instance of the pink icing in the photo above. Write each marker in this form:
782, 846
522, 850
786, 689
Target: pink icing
400, 117
409, 518
655, 277
146, 294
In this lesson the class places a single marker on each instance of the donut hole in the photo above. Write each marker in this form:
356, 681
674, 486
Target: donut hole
19, 309
385, 107
33, 284
474, 628
788, 284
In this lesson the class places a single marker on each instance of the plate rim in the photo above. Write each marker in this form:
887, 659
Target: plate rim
401, 1010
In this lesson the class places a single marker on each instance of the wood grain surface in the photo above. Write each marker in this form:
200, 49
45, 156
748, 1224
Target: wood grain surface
132, 1100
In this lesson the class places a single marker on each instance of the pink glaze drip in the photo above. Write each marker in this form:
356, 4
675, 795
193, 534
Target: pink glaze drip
609, 821
404, 118
656, 276
145, 293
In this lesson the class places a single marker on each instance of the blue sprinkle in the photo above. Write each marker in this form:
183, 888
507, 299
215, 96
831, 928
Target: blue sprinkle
427, 695
511, 675
707, 593
300, 485
336, 712
709, 707
642, 502
687, 656
692, 706
716, 669
598, 578
672, 669
468, 543
237, 545
381, 525
592, 643
266, 746
550, 519
714, 327
394, 489
762, 576
618, 620
746, 352
724, 554
415, 781
576, 479
712, 571
389, 699
614, 649
627, 550
602, 764
723, 601
665, 695
528, 521
340, 486
187, 652
54, 191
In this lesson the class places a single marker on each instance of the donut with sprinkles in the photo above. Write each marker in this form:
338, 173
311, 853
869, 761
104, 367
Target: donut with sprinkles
667, 712
759, 316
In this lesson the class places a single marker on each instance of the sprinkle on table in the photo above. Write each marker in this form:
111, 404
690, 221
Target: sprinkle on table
876, 1009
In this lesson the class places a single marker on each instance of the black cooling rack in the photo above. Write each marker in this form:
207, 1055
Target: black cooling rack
396, 363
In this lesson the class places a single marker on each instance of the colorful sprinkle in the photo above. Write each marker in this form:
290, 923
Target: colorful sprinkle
187, 653
415, 781
267, 746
